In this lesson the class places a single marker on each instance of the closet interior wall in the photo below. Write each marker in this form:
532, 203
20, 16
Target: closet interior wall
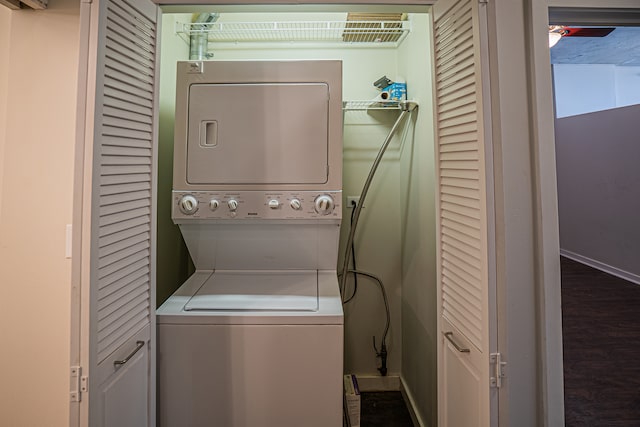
395, 238
418, 228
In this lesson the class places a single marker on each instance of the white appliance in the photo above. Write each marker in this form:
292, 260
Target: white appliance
255, 336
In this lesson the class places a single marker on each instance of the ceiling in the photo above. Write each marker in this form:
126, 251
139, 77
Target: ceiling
620, 47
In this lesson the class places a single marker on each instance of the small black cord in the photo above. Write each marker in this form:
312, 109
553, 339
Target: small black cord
382, 353
353, 257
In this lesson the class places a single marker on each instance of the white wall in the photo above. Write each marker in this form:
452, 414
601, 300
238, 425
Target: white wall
581, 88
172, 255
599, 189
37, 190
585, 88
517, 212
627, 82
377, 240
417, 188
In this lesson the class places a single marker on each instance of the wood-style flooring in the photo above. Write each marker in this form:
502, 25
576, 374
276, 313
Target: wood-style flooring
384, 409
601, 336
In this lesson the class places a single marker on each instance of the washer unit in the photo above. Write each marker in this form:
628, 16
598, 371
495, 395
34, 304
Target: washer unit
255, 336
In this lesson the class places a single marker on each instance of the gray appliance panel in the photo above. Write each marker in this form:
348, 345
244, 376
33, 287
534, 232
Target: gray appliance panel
258, 133
262, 245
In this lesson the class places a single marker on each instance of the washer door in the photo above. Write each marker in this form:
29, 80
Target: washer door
257, 291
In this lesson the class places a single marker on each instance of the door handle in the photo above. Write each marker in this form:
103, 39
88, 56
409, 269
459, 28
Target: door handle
118, 363
449, 336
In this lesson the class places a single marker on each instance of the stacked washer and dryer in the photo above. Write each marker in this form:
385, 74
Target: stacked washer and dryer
255, 336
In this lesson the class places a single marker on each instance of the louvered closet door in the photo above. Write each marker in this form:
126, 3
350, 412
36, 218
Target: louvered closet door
122, 335
464, 196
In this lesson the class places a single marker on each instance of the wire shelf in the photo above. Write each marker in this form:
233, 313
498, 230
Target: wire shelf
370, 105
379, 33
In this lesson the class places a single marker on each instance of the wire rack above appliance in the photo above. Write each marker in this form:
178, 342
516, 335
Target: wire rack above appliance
347, 33
370, 105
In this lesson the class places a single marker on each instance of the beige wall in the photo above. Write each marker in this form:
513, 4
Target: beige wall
36, 193
5, 24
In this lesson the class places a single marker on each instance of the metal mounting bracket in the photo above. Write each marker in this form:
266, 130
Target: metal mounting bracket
498, 372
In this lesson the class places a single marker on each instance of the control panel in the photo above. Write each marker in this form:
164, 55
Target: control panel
256, 205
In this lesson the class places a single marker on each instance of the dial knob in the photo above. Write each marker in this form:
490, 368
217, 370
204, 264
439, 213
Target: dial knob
274, 204
188, 204
324, 204
295, 204
214, 204
233, 205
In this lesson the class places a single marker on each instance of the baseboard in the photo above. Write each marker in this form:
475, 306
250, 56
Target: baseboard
378, 383
408, 398
631, 277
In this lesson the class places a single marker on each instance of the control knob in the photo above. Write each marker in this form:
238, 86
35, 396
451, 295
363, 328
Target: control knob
214, 204
233, 205
188, 204
324, 204
274, 204
296, 204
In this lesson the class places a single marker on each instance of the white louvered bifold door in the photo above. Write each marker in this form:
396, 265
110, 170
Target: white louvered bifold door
122, 213
464, 201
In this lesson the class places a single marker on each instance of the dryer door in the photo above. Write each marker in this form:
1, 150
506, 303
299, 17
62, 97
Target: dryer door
258, 133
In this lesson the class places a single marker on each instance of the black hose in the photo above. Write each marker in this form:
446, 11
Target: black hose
353, 259
382, 354
384, 297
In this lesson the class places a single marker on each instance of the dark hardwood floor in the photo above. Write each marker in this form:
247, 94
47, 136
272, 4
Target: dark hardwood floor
601, 336
384, 409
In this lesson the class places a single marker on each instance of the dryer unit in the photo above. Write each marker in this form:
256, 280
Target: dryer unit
247, 125
255, 336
